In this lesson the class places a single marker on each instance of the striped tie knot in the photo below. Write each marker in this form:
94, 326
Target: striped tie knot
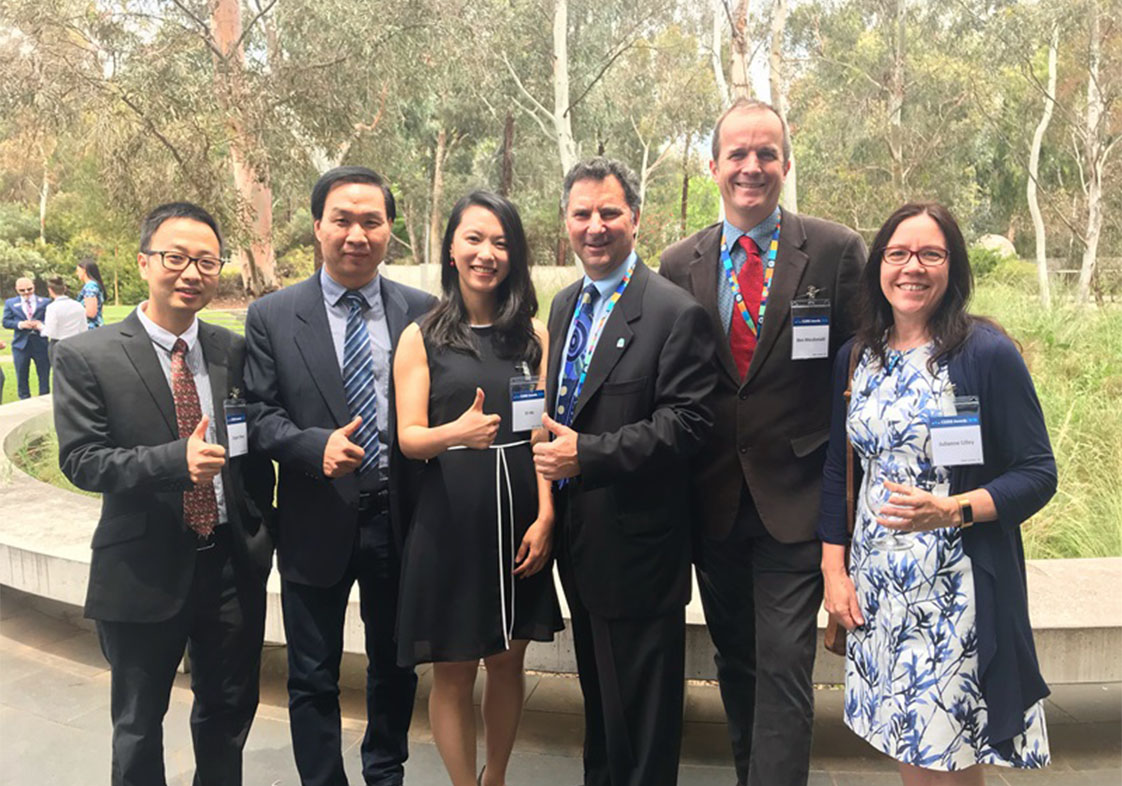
354, 300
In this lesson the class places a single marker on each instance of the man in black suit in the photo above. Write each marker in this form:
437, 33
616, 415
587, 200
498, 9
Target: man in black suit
319, 361
181, 553
757, 482
629, 373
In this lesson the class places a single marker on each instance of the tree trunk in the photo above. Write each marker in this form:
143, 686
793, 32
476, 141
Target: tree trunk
411, 233
685, 184
1034, 173
562, 120
44, 190
437, 195
507, 179
896, 104
715, 41
741, 81
778, 85
247, 153
1095, 157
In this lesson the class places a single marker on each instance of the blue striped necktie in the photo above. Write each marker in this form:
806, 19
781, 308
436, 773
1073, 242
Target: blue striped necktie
358, 379
574, 356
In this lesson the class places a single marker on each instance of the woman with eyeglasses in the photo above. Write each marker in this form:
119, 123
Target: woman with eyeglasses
92, 294
952, 456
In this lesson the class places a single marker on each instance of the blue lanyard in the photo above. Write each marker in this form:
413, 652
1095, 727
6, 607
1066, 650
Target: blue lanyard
594, 335
734, 285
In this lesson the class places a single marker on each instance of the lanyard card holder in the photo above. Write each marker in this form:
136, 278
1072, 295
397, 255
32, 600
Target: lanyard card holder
956, 440
237, 433
527, 403
810, 329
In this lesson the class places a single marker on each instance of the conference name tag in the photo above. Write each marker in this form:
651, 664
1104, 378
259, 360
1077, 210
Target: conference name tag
237, 433
810, 329
956, 440
527, 403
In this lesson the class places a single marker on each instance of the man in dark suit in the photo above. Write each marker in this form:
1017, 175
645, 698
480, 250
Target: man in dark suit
25, 314
181, 552
756, 482
630, 369
319, 361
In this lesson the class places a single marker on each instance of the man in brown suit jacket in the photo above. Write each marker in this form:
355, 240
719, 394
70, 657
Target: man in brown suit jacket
756, 483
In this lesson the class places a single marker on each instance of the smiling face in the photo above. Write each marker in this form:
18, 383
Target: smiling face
175, 297
749, 168
914, 291
479, 251
353, 233
601, 225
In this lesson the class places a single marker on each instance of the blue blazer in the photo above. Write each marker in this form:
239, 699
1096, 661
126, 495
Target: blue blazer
14, 314
1020, 475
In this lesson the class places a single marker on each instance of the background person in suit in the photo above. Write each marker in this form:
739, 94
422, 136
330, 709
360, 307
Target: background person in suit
757, 481
629, 374
24, 314
181, 553
319, 360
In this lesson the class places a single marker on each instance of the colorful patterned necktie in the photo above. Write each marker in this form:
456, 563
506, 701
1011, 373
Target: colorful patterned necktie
358, 379
742, 341
574, 355
200, 506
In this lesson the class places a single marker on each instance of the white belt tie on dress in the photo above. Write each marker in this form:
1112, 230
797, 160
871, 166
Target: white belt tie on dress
502, 475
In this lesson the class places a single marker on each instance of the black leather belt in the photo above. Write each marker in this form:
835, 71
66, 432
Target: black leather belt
374, 501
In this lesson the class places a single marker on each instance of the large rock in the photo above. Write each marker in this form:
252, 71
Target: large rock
999, 243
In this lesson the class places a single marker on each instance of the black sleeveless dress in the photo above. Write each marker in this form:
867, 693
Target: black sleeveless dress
459, 600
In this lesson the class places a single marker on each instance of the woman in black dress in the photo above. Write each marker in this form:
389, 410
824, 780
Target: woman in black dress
475, 580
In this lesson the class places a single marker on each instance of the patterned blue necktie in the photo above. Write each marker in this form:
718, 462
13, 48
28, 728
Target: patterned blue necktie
358, 379
574, 356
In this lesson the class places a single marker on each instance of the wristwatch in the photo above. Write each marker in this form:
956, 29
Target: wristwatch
966, 511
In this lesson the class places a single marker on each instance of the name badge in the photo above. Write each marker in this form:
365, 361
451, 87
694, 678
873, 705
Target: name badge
810, 329
527, 403
237, 433
956, 440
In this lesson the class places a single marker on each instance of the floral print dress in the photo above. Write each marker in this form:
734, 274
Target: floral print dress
912, 685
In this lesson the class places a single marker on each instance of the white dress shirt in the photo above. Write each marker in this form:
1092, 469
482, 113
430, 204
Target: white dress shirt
65, 318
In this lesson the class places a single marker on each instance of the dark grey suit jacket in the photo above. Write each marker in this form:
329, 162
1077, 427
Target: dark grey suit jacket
771, 427
117, 435
293, 374
624, 523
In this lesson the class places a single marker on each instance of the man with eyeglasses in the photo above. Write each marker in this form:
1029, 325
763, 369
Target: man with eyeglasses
25, 314
150, 413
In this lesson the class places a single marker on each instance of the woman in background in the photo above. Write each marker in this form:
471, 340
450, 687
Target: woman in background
92, 294
941, 671
475, 579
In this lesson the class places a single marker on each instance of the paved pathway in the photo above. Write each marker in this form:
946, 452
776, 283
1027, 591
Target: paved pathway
54, 723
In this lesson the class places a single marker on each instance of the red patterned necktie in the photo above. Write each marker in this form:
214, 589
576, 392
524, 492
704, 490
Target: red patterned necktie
200, 506
751, 280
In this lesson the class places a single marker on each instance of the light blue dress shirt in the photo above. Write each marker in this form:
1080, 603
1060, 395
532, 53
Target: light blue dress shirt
164, 341
380, 345
761, 235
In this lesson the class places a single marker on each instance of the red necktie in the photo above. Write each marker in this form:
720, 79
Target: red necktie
27, 308
751, 280
200, 506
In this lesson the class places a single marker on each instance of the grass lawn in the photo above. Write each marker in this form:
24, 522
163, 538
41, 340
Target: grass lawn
1075, 357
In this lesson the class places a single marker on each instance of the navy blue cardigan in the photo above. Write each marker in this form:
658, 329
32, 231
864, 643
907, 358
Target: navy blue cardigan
1020, 474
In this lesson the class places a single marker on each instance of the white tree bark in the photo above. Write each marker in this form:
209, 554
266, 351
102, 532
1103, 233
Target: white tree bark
741, 80
1095, 156
44, 190
562, 120
896, 102
778, 84
715, 41
1034, 173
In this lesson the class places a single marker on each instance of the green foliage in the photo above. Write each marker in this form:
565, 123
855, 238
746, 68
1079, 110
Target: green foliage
984, 260
296, 264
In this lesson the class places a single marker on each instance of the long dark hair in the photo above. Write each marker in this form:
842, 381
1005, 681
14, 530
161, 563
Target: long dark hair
950, 325
447, 324
92, 271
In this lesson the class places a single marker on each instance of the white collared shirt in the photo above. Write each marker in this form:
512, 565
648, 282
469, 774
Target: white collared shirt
163, 341
65, 318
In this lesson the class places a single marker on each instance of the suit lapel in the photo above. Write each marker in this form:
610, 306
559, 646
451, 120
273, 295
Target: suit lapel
313, 340
616, 337
790, 263
705, 277
560, 315
216, 347
397, 310
142, 355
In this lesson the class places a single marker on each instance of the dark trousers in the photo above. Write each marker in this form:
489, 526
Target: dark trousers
37, 351
222, 625
632, 677
313, 626
761, 600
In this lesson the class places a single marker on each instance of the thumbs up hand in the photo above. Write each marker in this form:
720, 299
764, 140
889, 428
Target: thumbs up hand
557, 458
340, 455
204, 460
474, 429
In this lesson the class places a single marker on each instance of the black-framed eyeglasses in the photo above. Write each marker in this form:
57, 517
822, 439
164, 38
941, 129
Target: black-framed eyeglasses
177, 262
928, 256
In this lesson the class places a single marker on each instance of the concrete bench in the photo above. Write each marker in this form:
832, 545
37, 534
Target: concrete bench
1076, 604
